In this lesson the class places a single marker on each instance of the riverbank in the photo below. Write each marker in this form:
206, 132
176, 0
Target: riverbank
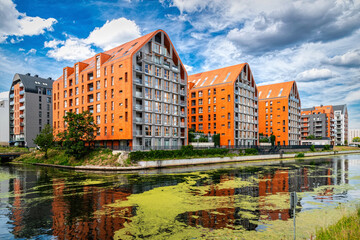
141, 165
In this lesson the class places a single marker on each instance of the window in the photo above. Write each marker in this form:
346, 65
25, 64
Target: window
229, 98
209, 92
98, 66
200, 110
200, 93
112, 68
98, 96
200, 101
214, 108
280, 92
200, 118
214, 100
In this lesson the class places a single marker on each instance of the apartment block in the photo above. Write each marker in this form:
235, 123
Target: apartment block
279, 112
136, 92
318, 121
341, 124
225, 101
4, 118
352, 134
30, 108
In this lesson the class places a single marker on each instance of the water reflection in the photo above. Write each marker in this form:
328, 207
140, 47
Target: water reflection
48, 202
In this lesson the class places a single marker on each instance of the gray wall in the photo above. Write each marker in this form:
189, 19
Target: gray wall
4, 119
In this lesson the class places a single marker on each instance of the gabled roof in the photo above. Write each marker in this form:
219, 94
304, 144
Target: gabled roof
124, 51
31, 82
341, 108
278, 90
216, 77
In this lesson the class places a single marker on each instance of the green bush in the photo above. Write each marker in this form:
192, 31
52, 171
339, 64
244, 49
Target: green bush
216, 139
203, 139
312, 148
300, 155
251, 151
184, 152
327, 147
264, 140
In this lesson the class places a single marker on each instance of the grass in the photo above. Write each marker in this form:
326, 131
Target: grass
13, 149
346, 228
345, 148
98, 157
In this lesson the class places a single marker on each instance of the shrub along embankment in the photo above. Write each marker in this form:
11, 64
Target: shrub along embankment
185, 152
98, 157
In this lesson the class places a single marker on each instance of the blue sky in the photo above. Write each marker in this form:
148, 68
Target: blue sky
316, 43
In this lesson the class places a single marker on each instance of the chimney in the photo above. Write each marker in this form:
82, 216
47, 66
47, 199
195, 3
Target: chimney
49, 78
28, 74
36, 75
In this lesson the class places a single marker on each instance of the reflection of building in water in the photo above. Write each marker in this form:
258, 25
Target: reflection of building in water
274, 184
229, 217
73, 216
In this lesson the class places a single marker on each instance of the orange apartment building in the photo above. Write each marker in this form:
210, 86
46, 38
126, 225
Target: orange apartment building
224, 101
318, 121
279, 112
136, 92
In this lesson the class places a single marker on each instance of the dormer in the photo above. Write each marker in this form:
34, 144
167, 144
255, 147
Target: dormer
67, 71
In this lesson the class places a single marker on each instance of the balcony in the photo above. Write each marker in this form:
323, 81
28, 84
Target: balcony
22, 92
139, 120
138, 94
182, 124
138, 81
182, 103
138, 68
138, 133
22, 116
22, 108
22, 124
138, 107
182, 113
182, 81
22, 100
175, 68
12, 95
11, 103
182, 92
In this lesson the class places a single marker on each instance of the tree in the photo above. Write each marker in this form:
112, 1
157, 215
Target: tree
45, 139
346, 142
216, 140
272, 139
80, 130
310, 137
356, 139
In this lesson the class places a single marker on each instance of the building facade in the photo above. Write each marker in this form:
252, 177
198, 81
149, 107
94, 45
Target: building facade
352, 134
4, 118
136, 92
30, 108
341, 124
318, 122
225, 102
279, 112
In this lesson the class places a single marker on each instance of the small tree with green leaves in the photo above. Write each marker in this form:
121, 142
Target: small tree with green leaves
310, 137
346, 142
356, 139
80, 130
216, 140
45, 139
272, 139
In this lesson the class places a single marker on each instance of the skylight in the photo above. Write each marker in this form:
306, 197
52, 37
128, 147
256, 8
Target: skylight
280, 92
259, 93
227, 76
197, 82
268, 94
213, 80
204, 81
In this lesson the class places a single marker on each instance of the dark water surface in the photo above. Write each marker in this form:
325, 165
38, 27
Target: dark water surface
224, 202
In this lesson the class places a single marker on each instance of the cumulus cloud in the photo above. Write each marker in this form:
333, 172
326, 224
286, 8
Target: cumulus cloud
314, 74
114, 33
73, 49
111, 34
32, 51
14, 23
349, 59
188, 68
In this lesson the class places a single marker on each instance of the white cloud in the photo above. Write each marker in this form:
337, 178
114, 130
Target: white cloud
113, 33
73, 49
14, 23
314, 74
32, 51
351, 58
188, 68
353, 97
21, 50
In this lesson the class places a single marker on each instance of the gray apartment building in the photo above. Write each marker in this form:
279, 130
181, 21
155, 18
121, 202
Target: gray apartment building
314, 124
30, 100
4, 118
341, 124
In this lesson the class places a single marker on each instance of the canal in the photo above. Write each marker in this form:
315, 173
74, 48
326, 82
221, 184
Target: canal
244, 201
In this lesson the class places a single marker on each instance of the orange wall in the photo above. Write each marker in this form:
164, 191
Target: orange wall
223, 107
278, 118
122, 90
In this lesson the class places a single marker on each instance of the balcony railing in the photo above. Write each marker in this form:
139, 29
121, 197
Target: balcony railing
182, 124
139, 120
11, 95
138, 107
138, 81
22, 92
22, 100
